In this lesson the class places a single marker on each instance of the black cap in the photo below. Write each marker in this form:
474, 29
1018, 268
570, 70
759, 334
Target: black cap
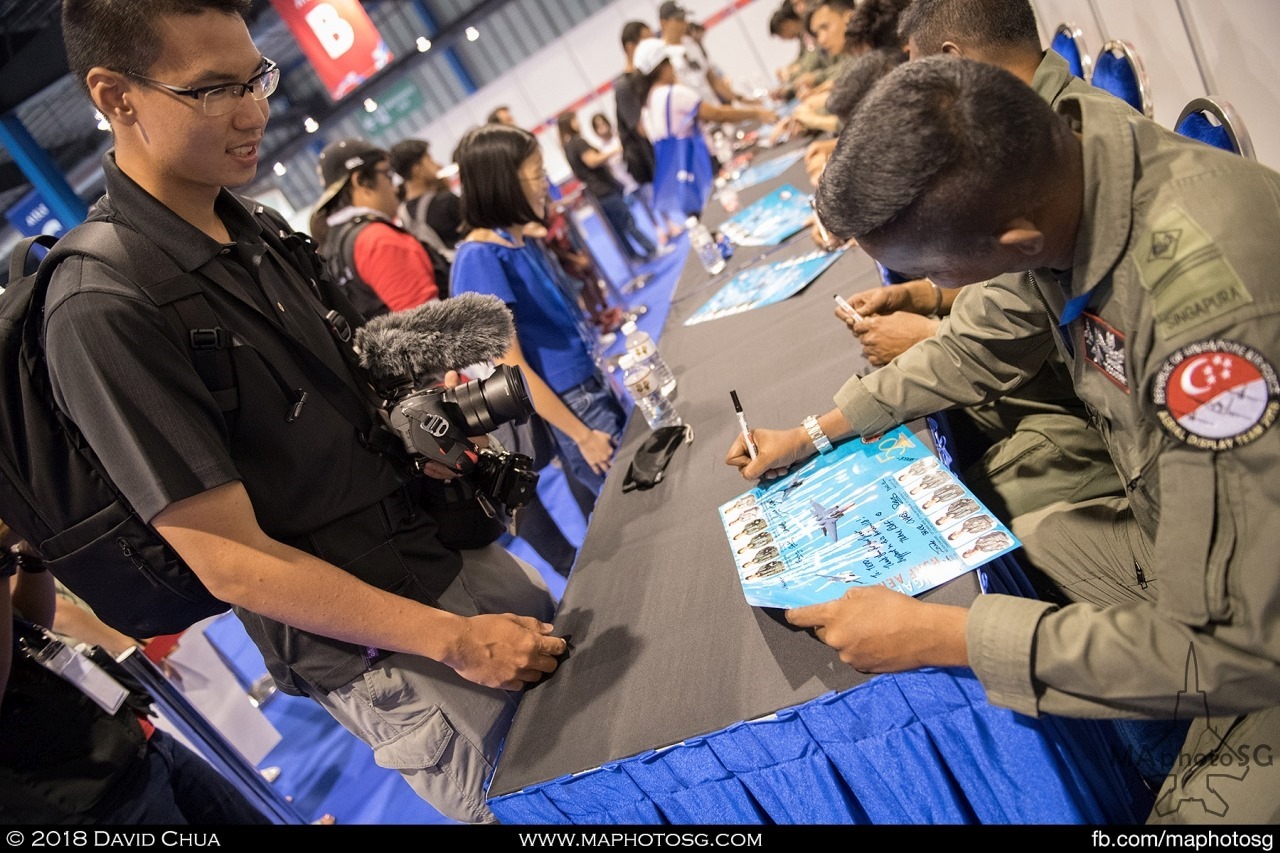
670, 10
339, 160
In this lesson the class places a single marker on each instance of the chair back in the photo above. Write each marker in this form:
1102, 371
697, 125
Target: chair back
1214, 121
1118, 70
1068, 42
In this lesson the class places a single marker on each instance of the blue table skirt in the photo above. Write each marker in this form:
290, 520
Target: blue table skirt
922, 747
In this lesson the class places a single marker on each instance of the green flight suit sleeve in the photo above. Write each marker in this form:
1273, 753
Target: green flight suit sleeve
996, 337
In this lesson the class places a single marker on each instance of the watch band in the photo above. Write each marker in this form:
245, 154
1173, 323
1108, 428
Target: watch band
937, 304
819, 437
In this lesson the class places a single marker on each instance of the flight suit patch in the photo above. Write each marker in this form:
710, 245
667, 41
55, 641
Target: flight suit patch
1164, 244
1216, 394
1104, 348
1190, 281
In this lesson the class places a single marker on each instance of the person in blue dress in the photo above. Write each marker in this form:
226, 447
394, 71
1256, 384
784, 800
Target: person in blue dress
504, 191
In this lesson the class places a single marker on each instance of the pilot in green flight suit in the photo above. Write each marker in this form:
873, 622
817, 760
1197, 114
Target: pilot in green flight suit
1150, 265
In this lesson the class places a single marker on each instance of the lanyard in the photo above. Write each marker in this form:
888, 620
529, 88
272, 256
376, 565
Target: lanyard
543, 273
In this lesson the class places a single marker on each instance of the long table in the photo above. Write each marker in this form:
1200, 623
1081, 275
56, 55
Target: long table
679, 703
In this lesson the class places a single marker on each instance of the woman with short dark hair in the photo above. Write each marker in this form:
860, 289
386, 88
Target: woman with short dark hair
591, 166
504, 190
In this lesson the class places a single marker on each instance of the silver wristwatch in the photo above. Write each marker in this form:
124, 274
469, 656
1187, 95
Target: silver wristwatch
819, 437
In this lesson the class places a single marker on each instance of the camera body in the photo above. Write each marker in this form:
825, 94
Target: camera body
437, 425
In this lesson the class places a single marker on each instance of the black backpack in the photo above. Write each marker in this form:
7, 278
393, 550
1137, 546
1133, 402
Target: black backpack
54, 491
340, 265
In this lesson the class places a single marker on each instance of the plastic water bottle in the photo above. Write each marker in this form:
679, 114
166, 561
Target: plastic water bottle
644, 351
647, 394
705, 246
726, 194
724, 244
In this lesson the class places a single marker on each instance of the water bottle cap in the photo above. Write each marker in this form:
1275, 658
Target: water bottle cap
626, 360
691, 222
628, 327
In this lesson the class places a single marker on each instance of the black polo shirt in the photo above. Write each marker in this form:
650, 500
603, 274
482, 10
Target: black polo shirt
599, 180
125, 375
637, 150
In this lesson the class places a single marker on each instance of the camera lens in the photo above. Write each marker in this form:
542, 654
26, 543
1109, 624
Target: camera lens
486, 403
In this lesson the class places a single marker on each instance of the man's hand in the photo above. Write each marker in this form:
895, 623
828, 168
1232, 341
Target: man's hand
821, 237
776, 452
917, 296
783, 129
766, 116
504, 650
885, 337
878, 630
816, 157
436, 470
876, 300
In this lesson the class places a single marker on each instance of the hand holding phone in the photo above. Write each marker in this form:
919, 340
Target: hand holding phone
848, 309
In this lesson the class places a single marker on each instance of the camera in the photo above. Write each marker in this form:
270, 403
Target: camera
437, 425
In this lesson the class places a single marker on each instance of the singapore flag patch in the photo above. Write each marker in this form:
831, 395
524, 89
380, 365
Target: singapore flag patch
1216, 394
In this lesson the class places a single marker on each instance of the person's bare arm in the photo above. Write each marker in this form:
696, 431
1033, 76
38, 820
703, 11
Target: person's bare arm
594, 158
721, 87
596, 446
72, 619
217, 534
31, 593
878, 630
716, 112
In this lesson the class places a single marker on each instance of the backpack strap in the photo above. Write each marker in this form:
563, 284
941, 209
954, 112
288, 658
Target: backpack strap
423, 230
342, 267
176, 292
21, 253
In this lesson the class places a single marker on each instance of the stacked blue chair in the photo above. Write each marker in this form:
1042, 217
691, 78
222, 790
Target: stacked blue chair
1068, 42
1118, 70
1215, 122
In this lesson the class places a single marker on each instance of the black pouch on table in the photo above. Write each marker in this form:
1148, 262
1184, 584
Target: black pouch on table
650, 462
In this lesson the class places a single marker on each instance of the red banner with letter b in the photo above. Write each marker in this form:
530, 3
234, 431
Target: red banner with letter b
342, 44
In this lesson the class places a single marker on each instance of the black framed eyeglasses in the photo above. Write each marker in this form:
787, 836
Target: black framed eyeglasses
223, 98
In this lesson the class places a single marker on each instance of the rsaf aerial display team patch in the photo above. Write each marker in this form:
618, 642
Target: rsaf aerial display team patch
1104, 348
1216, 394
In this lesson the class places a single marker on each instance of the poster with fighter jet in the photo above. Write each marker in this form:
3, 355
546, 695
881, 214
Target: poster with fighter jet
770, 220
869, 512
756, 287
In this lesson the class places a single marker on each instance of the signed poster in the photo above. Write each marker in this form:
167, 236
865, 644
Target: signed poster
881, 512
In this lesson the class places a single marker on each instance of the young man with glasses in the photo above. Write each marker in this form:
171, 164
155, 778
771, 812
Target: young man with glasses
280, 503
